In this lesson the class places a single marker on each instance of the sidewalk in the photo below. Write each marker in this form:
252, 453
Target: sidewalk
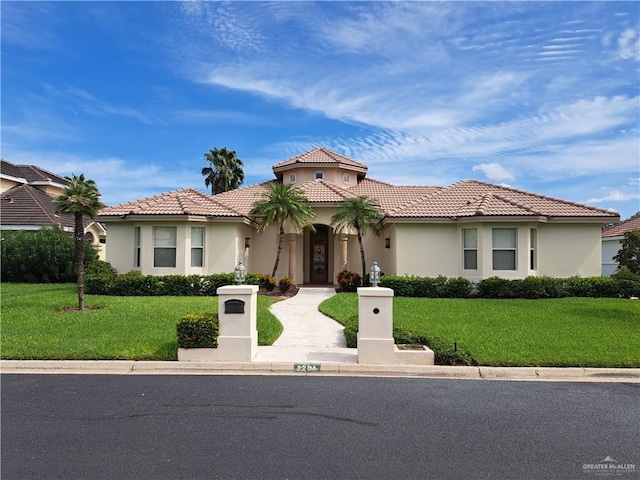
313, 344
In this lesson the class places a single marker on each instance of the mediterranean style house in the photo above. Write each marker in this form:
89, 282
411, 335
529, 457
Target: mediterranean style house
26, 203
612, 241
470, 229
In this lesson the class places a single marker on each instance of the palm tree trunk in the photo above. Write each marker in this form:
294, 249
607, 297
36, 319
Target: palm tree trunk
364, 264
280, 242
79, 242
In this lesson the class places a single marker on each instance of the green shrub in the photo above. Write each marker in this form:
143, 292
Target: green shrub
198, 330
540, 287
351, 331
495, 287
284, 284
41, 256
348, 281
98, 277
625, 274
457, 288
444, 352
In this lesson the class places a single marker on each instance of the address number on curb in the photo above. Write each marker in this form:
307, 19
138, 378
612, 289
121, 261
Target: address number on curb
306, 367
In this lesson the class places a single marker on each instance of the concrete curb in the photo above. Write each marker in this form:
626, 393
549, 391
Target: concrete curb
128, 367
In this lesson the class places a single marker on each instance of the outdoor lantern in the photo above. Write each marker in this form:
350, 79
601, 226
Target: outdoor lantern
240, 273
374, 277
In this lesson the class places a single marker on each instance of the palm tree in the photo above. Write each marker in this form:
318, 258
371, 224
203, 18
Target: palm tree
362, 214
225, 172
81, 198
282, 202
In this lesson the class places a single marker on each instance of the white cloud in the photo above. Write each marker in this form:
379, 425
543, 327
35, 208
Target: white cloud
628, 46
493, 171
615, 196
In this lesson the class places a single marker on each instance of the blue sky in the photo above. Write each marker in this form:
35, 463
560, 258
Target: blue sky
541, 96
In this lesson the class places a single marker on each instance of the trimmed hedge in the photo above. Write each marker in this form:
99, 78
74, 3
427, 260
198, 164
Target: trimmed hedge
495, 287
445, 353
133, 283
198, 330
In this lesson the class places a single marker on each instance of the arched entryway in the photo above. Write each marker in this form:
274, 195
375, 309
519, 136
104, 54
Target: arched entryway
318, 260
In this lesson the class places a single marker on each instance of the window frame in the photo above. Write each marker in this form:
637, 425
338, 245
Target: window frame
157, 248
292, 178
501, 249
346, 178
137, 247
466, 249
533, 249
198, 247
319, 175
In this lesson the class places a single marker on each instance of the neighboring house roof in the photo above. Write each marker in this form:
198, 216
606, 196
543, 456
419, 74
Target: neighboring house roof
621, 228
321, 156
31, 173
27, 206
465, 199
186, 201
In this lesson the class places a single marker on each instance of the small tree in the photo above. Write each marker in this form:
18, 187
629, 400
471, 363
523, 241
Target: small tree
283, 201
225, 171
629, 254
362, 214
82, 199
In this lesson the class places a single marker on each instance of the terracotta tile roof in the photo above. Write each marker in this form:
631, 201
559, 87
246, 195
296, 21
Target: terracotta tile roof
186, 201
31, 173
392, 197
242, 199
474, 198
27, 205
321, 191
323, 156
621, 228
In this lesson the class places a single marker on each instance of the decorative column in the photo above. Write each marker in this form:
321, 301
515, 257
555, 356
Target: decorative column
292, 257
344, 244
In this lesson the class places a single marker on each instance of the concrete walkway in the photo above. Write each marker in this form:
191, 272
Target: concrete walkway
308, 336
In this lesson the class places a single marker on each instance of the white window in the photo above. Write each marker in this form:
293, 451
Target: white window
165, 246
470, 248
292, 178
505, 241
197, 246
533, 256
319, 175
136, 247
345, 177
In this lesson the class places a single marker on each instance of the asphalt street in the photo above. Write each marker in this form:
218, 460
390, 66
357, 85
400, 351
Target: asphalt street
287, 427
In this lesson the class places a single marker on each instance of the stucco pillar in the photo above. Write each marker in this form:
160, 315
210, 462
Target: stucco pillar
292, 257
344, 248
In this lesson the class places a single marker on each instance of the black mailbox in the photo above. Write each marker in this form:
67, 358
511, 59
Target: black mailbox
234, 306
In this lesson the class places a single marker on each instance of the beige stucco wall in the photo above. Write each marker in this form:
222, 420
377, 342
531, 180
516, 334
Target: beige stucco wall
562, 250
333, 175
224, 244
6, 184
426, 250
567, 250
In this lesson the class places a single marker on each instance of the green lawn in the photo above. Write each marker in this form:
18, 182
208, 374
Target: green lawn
586, 332
133, 328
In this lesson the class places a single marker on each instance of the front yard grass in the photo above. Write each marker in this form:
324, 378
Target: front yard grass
128, 328
563, 332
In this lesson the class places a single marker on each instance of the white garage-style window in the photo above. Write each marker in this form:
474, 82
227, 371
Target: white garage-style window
197, 246
505, 242
470, 248
165, 240
136, 247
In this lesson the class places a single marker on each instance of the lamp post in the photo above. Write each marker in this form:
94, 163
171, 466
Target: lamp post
374, 276
240, 273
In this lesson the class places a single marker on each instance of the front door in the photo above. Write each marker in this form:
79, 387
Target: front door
319, 255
